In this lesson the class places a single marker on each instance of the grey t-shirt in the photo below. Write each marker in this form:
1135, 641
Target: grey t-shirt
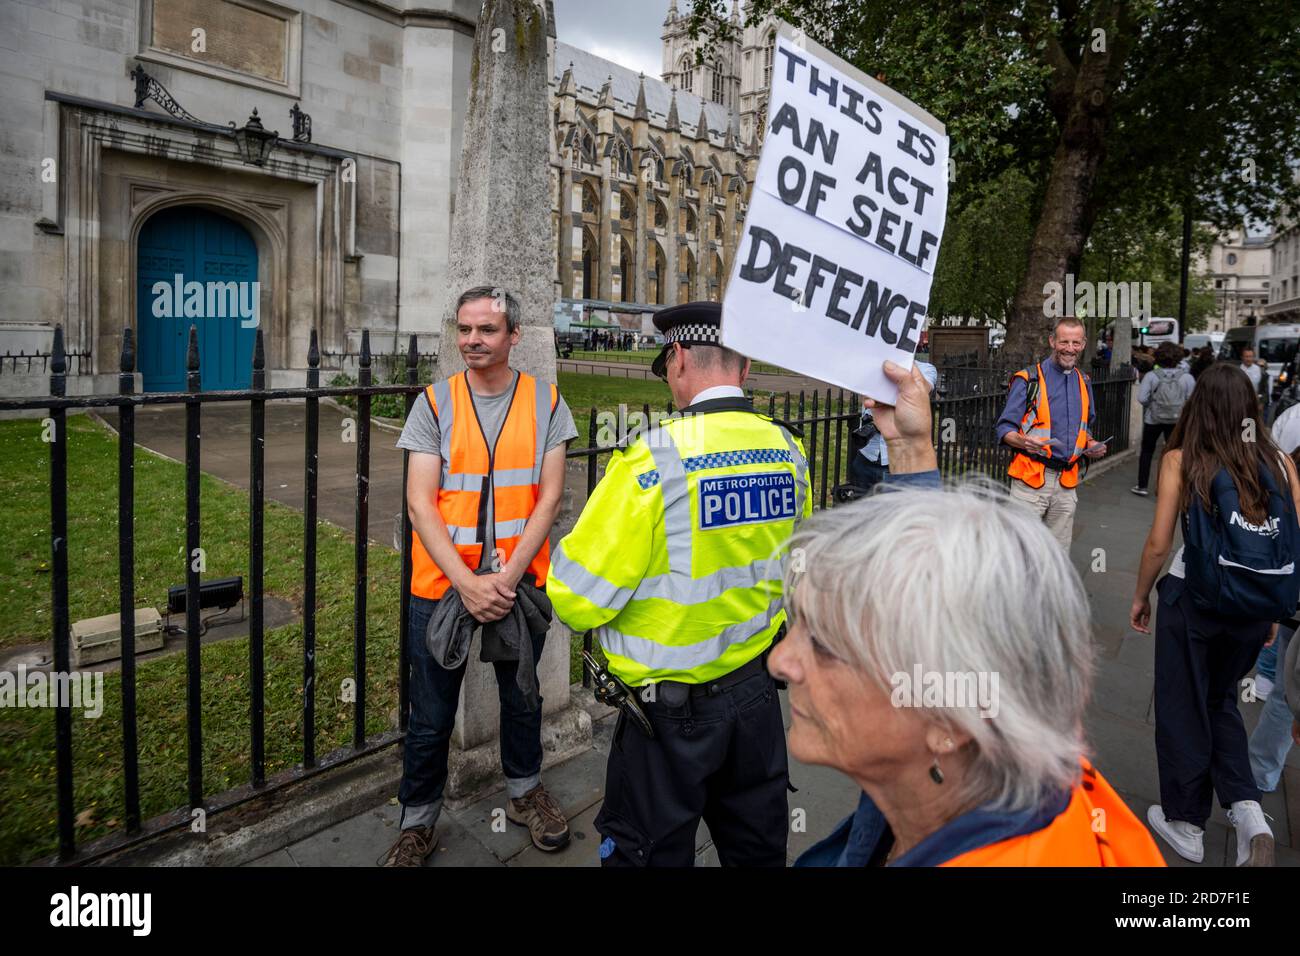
421, 434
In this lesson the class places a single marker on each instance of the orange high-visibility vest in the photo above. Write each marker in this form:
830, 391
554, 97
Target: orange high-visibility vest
1096, 829
511, 472
1037, 423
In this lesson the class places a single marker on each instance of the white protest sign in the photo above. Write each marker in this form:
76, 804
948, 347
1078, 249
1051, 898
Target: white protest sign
832, 275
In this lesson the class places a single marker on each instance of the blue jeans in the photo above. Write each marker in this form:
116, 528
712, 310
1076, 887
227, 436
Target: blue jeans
1271, 741
1266, 664
435, 692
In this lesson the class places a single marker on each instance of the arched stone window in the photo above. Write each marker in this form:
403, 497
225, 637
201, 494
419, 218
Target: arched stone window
654, 285
718, 92
689, 220
625, 261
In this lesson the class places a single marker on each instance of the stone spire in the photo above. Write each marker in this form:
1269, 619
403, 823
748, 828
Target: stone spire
672, 12
735, 11
673, 122
606, 99
702, 124
641, 112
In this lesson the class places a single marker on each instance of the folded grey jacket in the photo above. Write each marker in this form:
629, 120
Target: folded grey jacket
451, 628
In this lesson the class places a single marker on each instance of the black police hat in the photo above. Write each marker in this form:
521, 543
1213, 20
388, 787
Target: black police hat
692, 323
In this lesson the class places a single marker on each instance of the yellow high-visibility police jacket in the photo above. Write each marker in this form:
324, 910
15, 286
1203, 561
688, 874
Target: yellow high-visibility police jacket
675, 561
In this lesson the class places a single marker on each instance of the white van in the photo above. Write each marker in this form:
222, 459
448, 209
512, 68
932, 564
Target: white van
1146, 331
1274, 344
1198, 340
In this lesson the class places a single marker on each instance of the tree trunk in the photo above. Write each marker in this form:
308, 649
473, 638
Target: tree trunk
1067, 213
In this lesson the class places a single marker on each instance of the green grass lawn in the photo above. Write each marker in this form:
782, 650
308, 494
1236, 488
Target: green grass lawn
27, 781
646, 356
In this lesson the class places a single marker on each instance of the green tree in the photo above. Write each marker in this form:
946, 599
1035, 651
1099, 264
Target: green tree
1152, 106
982, 258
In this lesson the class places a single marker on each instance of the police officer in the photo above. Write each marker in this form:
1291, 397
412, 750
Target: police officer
672, 565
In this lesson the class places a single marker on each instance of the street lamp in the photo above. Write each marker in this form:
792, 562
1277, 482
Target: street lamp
254, 141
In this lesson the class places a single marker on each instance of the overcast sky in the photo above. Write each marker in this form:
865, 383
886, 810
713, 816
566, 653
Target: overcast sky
625, 31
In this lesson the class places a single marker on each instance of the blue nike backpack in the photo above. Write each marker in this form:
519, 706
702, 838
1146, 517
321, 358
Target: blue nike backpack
1237, 568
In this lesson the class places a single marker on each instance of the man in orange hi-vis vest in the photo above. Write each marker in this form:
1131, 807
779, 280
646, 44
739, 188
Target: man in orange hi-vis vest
1048, 421
483, 488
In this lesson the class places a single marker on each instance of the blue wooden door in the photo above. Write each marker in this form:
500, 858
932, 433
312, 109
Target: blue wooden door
204, 247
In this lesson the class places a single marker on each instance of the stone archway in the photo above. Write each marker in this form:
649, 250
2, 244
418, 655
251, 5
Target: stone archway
268, 233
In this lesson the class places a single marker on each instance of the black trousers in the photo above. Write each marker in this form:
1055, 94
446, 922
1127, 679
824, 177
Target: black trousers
1201, 745
1150, 435
721, 758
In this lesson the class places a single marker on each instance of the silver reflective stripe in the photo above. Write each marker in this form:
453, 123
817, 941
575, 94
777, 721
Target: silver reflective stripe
543, 417
510, 529
446, 419
512, 477
501, 478
504, 529
677, 499
463, 482
462, 535
597, 590
684, 657
801, 470
669, 587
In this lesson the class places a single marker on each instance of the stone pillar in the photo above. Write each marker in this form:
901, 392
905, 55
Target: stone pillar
501, 237
606, 251
615, 219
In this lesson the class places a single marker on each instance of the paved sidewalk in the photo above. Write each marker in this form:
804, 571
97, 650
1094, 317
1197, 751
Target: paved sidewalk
1120, 726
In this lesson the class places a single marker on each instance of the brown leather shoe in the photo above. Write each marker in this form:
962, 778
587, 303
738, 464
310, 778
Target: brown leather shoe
538, 811
411, 849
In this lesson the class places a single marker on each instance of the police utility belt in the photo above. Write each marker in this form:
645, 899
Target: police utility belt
674, 694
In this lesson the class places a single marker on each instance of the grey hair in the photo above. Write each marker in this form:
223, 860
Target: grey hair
716, 358
1068, 320
960, 581
503, 302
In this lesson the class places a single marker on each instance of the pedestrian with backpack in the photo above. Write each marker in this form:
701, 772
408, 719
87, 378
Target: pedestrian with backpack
1237, 498
1161, 394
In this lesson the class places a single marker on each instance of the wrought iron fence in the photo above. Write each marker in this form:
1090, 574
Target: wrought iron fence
964, 436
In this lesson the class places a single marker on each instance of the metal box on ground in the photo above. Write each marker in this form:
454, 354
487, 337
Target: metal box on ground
97, 639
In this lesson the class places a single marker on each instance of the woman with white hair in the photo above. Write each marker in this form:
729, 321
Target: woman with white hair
951, 691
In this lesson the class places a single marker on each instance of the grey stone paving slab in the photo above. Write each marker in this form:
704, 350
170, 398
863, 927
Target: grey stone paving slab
278, 858
583, 848
576, 785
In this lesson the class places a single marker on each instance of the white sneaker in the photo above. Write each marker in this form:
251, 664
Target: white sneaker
1139, 490
1187, 840
1263, 686
1254, 837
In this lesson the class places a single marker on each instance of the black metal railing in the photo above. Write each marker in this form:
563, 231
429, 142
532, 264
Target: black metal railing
193, 399
964, 437
21, 361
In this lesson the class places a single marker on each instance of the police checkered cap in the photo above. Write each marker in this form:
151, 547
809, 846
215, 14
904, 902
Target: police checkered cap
694, 334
